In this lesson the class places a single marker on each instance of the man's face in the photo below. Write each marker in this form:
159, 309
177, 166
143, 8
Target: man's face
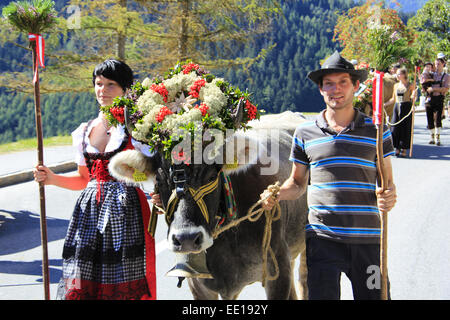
338, 90
438, 65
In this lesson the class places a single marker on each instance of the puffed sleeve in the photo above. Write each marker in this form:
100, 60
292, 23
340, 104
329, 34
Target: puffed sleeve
77, 142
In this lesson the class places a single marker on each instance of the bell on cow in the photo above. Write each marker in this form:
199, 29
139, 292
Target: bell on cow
191, 265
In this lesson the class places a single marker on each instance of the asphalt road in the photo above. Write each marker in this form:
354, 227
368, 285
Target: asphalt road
418, 254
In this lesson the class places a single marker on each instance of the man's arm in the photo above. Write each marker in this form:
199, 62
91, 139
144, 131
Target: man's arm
444, 88
292, 188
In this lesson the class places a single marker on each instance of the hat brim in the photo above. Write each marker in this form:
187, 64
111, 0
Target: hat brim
316, 75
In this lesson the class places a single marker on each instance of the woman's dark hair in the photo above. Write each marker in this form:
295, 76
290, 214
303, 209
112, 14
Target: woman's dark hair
114, 70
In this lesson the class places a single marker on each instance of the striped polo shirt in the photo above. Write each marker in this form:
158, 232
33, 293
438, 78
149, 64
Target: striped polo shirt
341, 195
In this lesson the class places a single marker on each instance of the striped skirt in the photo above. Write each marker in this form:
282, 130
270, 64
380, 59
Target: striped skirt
107, 250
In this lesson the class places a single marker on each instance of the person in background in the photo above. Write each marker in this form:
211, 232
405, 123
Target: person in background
108, 252
426, 80
434, 109
404, 94
393, 69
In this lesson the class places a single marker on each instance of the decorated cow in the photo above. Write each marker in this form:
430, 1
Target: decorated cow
211, 157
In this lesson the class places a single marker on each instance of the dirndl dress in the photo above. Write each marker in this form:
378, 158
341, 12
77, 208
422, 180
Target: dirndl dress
401, 132
108, 252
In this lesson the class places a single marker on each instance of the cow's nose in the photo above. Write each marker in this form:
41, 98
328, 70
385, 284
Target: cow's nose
187, 241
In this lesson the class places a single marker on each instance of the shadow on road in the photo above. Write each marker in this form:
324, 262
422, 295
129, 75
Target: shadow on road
20, 230
431, 152
32, 268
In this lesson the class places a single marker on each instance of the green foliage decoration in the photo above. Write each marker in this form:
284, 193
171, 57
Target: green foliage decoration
34, 16
388, 47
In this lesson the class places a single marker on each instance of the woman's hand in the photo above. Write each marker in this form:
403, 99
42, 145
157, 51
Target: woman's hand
156, 201
43, 174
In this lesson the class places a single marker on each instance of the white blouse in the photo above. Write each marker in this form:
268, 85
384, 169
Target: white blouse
116, 138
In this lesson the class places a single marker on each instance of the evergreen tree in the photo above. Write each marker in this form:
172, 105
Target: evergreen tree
303, 37
149, 35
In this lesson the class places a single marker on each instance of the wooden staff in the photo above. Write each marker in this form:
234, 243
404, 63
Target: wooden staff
379, 122
413, 114
383, 216
40, 148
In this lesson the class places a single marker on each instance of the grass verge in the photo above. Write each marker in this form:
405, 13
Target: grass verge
28, 144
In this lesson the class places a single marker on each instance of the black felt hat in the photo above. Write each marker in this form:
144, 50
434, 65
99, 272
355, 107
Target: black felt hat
334, 64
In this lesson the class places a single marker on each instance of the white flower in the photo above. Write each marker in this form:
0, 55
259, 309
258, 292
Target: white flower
149, 100
150, 103
143, 129
181, 103
213, 97
147, 82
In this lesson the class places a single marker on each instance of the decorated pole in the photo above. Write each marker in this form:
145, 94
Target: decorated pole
36, 41
416, 70
33, 18
378, 119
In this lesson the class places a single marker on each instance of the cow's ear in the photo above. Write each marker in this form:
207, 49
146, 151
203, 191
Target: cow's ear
132, 166
241, 152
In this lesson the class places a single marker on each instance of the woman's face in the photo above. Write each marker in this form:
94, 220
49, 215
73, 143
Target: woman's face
401, 75
106, 90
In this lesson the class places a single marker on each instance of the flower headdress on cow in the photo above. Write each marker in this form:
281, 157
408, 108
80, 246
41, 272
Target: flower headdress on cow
189, 98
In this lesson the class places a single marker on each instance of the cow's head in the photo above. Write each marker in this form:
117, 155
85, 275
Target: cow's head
192, 194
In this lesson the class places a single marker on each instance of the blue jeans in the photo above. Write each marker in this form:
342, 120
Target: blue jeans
327, 259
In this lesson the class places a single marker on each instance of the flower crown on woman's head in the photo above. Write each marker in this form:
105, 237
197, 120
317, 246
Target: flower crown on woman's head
188, 98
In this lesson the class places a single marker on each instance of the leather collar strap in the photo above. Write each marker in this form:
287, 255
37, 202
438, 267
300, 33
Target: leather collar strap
197, 195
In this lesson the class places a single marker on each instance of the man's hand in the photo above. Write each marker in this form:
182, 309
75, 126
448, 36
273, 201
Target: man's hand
269, 201
386, 199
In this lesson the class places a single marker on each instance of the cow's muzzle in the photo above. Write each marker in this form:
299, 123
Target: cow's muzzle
189, 240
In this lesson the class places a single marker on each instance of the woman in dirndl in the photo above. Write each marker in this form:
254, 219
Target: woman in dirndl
403, 98
108, 252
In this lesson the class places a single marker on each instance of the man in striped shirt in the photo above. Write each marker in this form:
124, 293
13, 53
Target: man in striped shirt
336, 155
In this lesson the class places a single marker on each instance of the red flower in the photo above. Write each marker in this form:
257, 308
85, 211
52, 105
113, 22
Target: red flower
162, 114
117, 113
189, 67
195, 88
203, 108
251, 110
161, 89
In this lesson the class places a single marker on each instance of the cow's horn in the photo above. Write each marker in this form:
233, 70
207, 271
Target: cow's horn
191, 265
239, 113
126, 115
